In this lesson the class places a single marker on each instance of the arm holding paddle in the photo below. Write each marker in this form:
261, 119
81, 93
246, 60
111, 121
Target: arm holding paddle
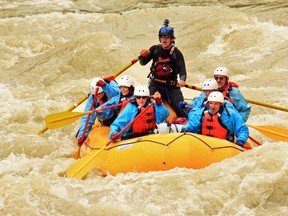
100, 92
132, 110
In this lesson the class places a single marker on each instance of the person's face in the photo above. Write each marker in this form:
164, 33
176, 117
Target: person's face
124, 90
207, 92
141, 100
221, 80
214, 106
100, 95
165, 41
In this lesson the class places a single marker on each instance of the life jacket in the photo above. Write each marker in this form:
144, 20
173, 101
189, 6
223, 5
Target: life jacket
227, 89
164, 67
145, 123
213, 126
103, 100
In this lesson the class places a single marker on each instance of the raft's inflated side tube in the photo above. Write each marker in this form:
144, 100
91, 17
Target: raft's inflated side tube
158, 152
99, 136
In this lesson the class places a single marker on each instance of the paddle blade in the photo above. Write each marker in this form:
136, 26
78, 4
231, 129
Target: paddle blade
83, 166
61, 119
276, 133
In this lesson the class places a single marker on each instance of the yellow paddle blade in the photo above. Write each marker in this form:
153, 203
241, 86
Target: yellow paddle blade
63, 118
83, 166
276, 133
69, 109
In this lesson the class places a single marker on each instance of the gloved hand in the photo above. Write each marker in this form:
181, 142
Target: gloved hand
109, 78
81, 141
144, 53
158, 101
114, 137
100, 83
182, 104
240, 143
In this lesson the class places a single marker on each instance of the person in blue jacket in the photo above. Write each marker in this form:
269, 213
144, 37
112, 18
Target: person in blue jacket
103, 94
126, 84
146, 123
218, 121
208, 86
231, 92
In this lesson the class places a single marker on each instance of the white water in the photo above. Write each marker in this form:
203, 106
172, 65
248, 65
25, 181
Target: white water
50, 50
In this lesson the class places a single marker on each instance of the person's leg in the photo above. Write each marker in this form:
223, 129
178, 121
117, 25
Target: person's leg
153, 87
175, 97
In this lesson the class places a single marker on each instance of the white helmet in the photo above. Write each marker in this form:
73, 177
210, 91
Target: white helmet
141, 90
127, 81
93, 86
223, 71
210, 84
216, 97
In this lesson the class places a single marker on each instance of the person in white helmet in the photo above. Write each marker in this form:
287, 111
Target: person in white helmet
218, 121
126, 85
168, 71
231, 92
145, 124
208, 86
95, 100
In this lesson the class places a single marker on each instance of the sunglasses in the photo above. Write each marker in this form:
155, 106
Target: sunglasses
141, 97
165, 37
219, 78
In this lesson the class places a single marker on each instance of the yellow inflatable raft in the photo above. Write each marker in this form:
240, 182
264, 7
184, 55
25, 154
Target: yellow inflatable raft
156, 152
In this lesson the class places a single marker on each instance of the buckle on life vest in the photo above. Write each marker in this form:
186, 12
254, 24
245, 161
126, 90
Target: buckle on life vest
167, 82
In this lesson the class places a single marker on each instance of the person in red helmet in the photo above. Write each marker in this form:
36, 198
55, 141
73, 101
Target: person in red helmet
167, 65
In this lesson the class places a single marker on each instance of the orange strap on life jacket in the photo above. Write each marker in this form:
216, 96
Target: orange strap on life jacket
228, 88
124, 103
212, 126
146, 122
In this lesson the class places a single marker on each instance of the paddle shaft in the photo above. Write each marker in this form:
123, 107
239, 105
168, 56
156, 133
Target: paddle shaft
248, 100
64, 118
117, 73
83, 166
254, 140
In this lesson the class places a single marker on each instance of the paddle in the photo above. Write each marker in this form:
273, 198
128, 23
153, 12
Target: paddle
69, 109
117, 73
64, 118
84, 165
276, 133
248, 100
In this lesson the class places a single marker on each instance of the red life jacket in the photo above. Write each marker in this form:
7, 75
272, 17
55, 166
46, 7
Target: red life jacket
101, 101
212, 126
145, 122
162, 67
227, 89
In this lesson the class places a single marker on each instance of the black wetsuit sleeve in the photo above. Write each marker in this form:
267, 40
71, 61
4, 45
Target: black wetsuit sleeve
145, 60
180, 62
